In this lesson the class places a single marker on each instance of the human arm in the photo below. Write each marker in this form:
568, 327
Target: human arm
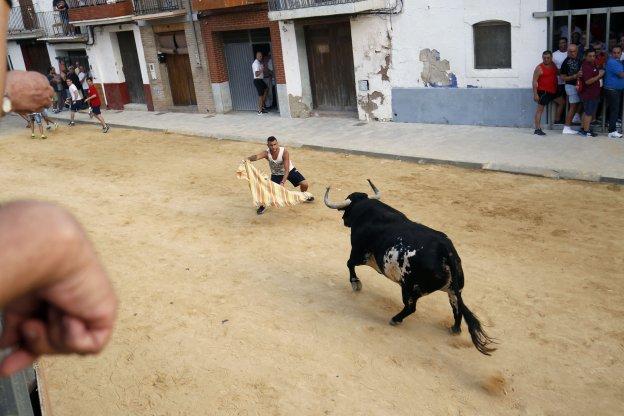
565, 68
286, 159
89, 98
55, 295
536, 74
591, 80
262, 155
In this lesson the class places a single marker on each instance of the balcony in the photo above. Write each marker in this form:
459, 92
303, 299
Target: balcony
52, 26
56, 28
23, 24
158, 9
99, 11
297, 9
202, 5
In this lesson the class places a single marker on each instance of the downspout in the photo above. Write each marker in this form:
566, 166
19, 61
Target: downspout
190, 17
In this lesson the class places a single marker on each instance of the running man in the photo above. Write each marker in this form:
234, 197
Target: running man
76, 100
36, 118
278, 158
93, 98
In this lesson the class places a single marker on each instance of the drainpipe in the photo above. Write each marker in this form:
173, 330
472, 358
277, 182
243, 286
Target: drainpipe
190, 17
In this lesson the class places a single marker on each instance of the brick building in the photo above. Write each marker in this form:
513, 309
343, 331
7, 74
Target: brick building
233, 31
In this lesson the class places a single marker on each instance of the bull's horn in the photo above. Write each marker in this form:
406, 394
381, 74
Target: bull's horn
377, 193
339, 205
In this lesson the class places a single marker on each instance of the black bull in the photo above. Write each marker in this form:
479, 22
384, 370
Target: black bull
418, 258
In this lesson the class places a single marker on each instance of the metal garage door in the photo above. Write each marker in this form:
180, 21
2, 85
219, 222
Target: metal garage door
239, 49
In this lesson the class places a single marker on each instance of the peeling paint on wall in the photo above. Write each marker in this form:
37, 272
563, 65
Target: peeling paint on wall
436, 72
298, 109
368, 104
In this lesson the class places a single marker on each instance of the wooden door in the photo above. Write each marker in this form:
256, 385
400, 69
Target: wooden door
181, 79
130, 66
330, 60
36, 56
27, 11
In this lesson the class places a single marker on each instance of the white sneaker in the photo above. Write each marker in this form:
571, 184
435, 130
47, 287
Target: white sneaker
576, 118
568, 130
615, 135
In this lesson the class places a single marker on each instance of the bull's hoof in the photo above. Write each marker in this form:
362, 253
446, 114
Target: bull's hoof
393, 322
356, 286
454, 331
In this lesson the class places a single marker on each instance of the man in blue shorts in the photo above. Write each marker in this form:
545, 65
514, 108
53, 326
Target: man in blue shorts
279, 158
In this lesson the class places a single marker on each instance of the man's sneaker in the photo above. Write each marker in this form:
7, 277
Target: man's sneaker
264, 111
32, 136
55, 126
309, 199
43, 137
71, 124
90, 113
576, 119
615, 135
591, 133
568, 130
583, 133
260, 113
539, 132
260, 210
105, 129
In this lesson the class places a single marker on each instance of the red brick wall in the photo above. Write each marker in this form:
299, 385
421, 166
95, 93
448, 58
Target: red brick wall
253, 18
103, 11
220, 4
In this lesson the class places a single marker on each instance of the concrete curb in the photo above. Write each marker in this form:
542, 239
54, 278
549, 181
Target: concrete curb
489, 166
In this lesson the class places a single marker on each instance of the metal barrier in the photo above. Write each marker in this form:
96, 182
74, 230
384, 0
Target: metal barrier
142, 7
56, 24
279, 5
23, 20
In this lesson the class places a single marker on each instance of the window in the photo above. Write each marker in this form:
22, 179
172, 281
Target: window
492, 45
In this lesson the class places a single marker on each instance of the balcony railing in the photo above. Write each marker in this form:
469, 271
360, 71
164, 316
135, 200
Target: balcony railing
143, 7
23, 21
74, 4
56, 25
279, 5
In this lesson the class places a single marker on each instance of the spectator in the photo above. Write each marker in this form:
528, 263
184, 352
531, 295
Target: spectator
590, 92
558, 57
62, 7
267, 64
570, 71
576, 40
613, 88
545, 89
55, 83
73, 75
258, 73
65, 92
82, 78
601, 56
563, 31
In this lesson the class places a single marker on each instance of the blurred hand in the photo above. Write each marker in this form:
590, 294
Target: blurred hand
29, 91
68, 309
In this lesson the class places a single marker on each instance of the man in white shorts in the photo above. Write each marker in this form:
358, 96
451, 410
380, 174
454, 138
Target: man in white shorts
278, 158
570, 71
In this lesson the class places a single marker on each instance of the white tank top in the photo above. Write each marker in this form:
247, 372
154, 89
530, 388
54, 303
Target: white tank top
277, 165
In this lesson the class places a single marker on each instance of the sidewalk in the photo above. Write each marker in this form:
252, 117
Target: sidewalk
505, 149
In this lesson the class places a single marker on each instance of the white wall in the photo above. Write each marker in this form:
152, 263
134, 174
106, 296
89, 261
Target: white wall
371, 37
446, 26
15, 53
105, 57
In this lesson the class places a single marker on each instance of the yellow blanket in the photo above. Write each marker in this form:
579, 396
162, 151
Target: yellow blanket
265, 192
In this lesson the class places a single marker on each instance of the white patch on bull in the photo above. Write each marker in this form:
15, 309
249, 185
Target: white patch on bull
391, 267
370, 261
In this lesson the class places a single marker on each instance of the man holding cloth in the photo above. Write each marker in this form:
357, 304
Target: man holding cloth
613, 88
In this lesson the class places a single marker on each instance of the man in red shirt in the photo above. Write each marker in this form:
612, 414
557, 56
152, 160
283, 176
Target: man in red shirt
93, 98
590, 92
545, 89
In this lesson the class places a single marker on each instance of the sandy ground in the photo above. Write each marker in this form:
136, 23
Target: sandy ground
226, 313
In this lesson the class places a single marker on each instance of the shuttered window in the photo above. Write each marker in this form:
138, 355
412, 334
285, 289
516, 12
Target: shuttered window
492, 45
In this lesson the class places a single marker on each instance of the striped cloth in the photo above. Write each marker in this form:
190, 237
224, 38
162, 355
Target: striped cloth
265, 192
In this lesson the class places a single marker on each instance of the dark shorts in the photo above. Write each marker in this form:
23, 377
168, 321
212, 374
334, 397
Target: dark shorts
260, 86
590, 106
561, 90
546, 98
294, 177
96, 109
76, 105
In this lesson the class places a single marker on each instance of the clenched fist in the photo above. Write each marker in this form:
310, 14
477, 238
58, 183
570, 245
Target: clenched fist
29, 91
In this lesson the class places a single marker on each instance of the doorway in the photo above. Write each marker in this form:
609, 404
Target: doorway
130, 66
330, 61
36, 56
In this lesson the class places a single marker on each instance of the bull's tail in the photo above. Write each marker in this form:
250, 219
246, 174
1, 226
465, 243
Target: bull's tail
480, 339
